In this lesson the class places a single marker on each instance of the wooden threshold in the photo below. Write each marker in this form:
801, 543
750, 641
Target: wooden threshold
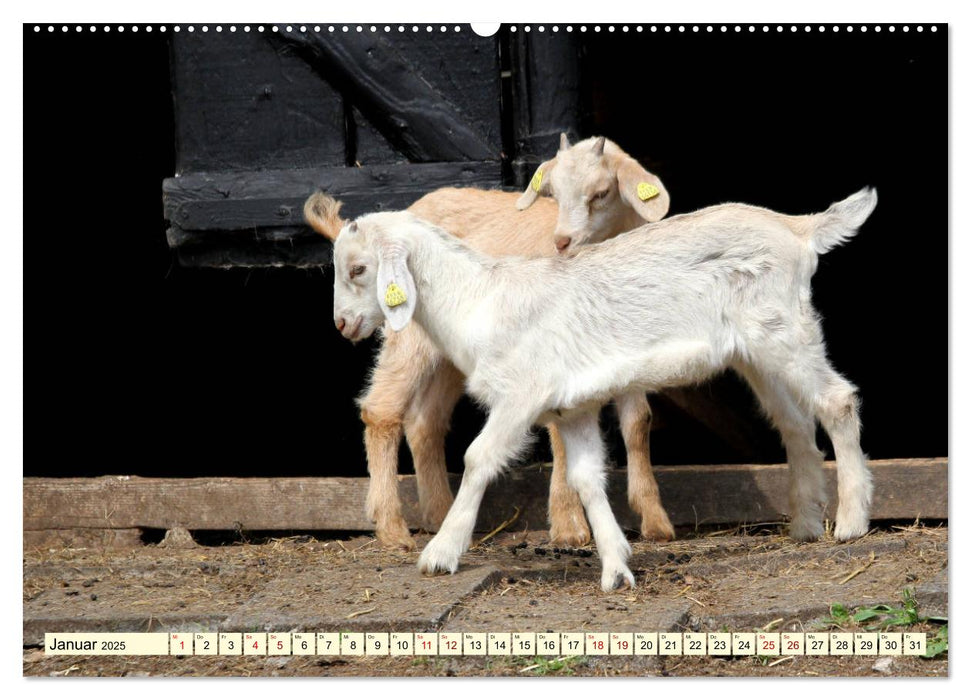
693, 495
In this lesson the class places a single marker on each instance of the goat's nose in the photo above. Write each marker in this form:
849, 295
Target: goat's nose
562, 243
340, 323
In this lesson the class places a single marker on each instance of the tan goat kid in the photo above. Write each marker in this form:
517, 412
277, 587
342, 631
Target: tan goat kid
413, 388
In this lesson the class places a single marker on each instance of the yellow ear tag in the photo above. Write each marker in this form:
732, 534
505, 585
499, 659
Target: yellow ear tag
646, 190
537, 180
394, 296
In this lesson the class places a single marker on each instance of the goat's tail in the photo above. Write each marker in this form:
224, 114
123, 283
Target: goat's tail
322, 212
840, 222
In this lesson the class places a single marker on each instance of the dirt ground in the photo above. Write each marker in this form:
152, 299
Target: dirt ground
729, 581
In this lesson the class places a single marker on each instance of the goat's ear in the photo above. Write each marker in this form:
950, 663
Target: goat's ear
539, 184
643, 191
396, 291
322, 212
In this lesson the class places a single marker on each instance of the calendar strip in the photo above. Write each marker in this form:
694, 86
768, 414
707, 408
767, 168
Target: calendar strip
487, 644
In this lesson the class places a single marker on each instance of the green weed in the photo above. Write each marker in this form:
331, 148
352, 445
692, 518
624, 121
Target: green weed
886, 617
839, 616
548, 665
937, 644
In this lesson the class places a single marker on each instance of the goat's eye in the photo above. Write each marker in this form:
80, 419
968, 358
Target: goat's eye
600, 196
357, 271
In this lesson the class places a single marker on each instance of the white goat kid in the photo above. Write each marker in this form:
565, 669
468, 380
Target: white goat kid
672, 303
413, 390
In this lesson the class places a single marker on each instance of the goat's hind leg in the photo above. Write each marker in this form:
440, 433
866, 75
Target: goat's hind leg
838, 409
568, 524
586, 474
814, 384
634, 413
500, 441
796, 424
835, 403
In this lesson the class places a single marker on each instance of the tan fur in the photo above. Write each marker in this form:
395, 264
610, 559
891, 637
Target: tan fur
323, 215
569, 527
426, 423
489, 221
414, 388
642, 492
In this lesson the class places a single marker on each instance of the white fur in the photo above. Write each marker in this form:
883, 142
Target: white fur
669, 304
413, 390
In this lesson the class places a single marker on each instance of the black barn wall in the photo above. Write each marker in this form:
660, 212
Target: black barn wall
138, 365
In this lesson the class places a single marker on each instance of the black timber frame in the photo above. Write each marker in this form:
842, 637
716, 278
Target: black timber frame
375, 120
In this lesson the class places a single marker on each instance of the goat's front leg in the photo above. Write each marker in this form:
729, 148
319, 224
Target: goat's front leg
381, 438
568, 524
585, 457
500, 440
403, 364
426, 424
642, 493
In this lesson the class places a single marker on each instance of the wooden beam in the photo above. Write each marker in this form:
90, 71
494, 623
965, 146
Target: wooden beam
903, 489
244, 201
546, 97
78, 537
378, 75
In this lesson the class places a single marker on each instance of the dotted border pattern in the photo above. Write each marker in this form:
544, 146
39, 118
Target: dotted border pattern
414, 28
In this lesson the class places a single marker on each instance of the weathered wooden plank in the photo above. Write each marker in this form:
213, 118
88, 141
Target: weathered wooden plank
230, 201
386, 79
77, 537
903, 489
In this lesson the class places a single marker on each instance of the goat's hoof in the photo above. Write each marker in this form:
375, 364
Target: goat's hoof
437, 558
396, 538
616, 578
657, 528
850, 530
805, 531
575, 534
